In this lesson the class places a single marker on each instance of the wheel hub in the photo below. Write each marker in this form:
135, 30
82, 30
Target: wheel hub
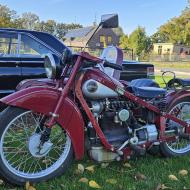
34, 146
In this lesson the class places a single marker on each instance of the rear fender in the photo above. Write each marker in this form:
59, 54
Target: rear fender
175, 96
43, 100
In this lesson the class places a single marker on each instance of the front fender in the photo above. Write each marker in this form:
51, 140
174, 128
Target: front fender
34, 83
44, 100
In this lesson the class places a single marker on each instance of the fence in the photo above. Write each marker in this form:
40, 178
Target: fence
169, 58
128, 54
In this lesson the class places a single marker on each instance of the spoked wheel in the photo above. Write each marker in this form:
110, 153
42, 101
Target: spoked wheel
181, 146
21, 156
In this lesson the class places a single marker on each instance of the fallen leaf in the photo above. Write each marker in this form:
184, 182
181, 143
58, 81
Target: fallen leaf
183, 172
31, 188
80, 169
173, 177
162, 187
111, 181
127, 165
90, 168
27, 185
140, 176
104, 165
1, 181
83, 180
93, 184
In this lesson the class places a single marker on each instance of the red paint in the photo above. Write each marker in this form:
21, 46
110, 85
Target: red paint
55, 97
44, 100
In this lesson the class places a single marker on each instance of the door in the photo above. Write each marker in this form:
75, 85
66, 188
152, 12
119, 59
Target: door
10, 70
32, 54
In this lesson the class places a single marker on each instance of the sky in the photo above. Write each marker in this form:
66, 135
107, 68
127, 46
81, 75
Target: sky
132, 13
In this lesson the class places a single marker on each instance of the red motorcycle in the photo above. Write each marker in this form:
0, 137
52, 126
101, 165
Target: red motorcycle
85, 108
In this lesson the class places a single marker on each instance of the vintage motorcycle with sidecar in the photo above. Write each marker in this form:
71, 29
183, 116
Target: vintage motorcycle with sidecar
84, 108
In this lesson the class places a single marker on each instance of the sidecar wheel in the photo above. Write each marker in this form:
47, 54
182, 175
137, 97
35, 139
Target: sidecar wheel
181, 146
21, 160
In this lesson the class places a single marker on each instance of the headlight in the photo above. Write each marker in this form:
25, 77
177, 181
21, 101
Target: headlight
52, 66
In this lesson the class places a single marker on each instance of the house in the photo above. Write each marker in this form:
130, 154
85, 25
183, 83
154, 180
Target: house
102, 38
170, 49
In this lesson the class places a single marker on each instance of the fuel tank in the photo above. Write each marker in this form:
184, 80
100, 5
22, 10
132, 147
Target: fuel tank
93, 89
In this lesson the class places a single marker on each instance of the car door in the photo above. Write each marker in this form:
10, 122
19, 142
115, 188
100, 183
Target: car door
32, 53
10, 70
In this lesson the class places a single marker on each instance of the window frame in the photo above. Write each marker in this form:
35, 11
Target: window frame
17, 47
37, 41
19, 33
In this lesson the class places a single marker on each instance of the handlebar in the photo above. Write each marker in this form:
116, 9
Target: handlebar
113, 66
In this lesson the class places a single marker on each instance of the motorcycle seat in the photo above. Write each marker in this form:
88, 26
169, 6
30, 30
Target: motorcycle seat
143, 82
149, 92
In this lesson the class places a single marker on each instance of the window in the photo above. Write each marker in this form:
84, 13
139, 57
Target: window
29, 46
102, 39
159, 50
8, 44
109, 39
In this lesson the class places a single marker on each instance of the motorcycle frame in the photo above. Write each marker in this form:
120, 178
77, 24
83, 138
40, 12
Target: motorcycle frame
56, 98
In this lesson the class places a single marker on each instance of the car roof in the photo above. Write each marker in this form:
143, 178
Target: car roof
45, 37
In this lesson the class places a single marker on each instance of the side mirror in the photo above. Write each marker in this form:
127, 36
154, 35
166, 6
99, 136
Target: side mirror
109, 21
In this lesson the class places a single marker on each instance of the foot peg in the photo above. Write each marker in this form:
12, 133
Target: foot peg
138, 150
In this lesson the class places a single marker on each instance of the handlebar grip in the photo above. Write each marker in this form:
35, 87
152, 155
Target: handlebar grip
113, 66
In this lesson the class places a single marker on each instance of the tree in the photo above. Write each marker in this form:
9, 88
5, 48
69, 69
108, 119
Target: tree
7, 17
29, 20
138, 41
50, 27
176, 30
124, 41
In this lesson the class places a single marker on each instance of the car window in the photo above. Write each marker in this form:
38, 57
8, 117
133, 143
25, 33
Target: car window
30, 46
8, 44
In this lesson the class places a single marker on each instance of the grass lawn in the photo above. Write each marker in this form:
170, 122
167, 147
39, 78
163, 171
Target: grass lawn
146, 173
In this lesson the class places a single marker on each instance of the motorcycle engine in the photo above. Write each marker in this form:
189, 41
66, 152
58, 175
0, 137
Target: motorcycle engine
117, 123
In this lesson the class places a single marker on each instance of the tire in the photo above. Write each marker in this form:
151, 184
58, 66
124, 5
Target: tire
165, 148
14, 175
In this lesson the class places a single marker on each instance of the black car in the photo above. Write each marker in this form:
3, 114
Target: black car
22, 57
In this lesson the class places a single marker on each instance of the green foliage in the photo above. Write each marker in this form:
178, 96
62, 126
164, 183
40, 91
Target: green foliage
137, 40
177, 30
9, 19
124, 41
6, 16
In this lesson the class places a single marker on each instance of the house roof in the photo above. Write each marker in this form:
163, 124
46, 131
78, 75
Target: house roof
79, 33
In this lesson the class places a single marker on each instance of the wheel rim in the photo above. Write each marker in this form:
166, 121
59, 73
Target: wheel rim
17, 156
181, 111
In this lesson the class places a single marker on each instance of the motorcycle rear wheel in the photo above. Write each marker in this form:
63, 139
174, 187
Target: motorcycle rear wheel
20, 160
181, 146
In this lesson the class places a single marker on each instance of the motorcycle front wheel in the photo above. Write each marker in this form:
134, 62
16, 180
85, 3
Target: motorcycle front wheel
181, 146
22, 157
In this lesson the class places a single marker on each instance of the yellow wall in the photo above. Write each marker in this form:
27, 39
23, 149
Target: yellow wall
174, 49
